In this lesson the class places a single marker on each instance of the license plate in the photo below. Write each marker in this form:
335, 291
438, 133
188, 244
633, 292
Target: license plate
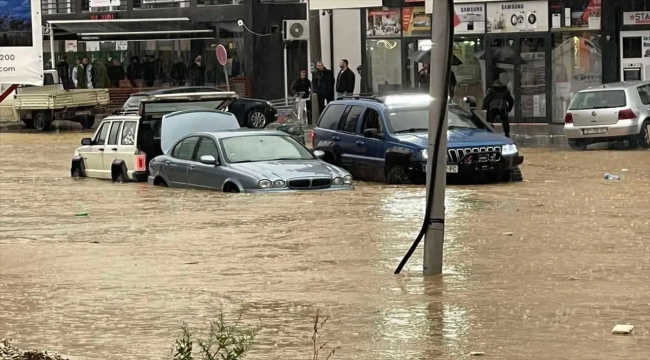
453, 169
594, 131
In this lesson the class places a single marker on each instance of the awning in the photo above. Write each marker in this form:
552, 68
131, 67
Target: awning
121, 25
131, 29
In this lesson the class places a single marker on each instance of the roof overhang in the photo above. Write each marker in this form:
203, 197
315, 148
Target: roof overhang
131, 29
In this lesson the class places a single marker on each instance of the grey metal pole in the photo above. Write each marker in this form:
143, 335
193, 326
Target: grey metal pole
434, 237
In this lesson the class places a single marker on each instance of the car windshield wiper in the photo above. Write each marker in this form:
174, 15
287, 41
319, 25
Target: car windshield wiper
287, 158
411, 130
459, 127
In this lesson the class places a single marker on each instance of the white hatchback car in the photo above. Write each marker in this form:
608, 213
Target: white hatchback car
611, 112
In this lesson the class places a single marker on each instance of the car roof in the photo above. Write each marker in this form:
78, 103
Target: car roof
164, 91
243, 132
621, 85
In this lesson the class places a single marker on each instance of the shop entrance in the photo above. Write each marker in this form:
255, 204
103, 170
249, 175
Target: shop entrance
520, 62
635, 55
412, 82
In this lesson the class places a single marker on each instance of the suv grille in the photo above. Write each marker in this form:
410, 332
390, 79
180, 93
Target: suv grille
303, 184
455, 155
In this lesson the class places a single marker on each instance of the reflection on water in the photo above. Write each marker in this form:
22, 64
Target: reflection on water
117, 283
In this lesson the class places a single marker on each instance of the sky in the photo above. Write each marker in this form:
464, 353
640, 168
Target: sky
16, 8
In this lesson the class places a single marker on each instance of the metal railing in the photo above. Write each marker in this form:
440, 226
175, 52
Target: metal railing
160, 4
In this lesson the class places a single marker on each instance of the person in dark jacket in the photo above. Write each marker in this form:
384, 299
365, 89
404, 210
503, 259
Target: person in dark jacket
344, 80
149, 71
499, 103
116, 73
323, 85
63, 69
134, 71
178, 73
197, 72
301, 85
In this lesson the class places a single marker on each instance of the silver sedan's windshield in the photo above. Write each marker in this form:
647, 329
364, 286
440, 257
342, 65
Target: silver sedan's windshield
254, 148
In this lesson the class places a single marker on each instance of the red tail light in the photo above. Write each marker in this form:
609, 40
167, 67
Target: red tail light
140, 163
568, 118
626, 114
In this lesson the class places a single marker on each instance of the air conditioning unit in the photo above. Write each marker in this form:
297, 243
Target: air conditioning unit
295, 30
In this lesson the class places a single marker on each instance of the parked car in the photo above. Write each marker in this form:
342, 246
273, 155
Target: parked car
242, 160
252, 113
123, 144
611, 112
386, 138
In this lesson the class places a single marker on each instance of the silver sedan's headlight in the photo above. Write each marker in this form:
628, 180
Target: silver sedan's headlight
264, 184
337, 181
509, 149
347, 179
279, 183
424, 154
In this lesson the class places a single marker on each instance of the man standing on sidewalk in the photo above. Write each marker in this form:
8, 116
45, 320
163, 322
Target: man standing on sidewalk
344, 80
323, 85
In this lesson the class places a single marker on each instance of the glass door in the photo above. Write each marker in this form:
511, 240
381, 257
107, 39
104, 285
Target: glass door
414, 72
519, 62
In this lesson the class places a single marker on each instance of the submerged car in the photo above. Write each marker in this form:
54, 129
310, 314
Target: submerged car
385, 139
241, 160
611, 112
253, 113
122, 145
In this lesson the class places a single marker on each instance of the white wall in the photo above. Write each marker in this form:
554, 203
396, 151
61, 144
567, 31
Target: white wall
347, 41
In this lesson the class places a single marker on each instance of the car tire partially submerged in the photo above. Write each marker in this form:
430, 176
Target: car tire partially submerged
397, 175
514, 175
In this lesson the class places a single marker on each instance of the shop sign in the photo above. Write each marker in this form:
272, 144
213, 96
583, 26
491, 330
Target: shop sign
508, 17
110, 16
21, 45
636, 18
581, 14
121, 45
415, 21
470, 19
382, 22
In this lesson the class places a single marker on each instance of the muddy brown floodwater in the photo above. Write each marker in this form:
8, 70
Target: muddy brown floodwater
117, 284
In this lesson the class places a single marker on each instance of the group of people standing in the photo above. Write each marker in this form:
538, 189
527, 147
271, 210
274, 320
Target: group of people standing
324, 85
87, 75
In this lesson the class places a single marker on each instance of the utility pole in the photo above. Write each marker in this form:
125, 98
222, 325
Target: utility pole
437, 171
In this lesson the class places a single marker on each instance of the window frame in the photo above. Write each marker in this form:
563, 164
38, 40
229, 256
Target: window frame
344, 120
646, 91
195, 155
334, 125
135, 132
98, 134
117, 123
365, 119
179, 145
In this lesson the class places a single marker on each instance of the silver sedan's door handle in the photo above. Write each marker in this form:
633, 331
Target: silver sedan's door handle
191, 166
167, 162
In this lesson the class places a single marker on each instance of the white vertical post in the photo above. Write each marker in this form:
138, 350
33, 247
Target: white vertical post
286, 77
309, 60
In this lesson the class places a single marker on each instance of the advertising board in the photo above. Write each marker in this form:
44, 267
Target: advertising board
21, 42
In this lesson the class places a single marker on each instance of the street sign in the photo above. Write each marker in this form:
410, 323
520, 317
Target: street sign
222, 55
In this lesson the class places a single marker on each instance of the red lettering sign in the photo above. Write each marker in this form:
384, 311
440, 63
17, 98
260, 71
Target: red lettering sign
102, 17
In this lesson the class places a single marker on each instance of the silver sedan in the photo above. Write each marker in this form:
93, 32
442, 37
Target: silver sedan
245, 161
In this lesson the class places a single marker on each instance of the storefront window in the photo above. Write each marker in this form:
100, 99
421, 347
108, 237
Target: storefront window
468, 73
575, 14
577, 65
231, 36
415, 22
384, 65
383, 23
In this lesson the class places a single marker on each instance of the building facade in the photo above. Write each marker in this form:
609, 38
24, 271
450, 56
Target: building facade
172, 31
549, 49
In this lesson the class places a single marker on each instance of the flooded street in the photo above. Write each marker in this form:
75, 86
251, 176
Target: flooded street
117, 283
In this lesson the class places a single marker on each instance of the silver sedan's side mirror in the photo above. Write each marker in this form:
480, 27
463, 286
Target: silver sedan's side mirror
319, 154
208, 160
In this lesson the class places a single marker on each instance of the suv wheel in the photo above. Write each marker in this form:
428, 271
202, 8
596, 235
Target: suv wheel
121, 178
577, 145
397, 175
256, 119
513, 175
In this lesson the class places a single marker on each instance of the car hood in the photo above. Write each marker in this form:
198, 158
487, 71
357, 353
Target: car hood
289, 169
179, 124
458, 138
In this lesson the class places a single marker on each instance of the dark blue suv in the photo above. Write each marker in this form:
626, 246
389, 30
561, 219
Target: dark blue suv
385, 139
